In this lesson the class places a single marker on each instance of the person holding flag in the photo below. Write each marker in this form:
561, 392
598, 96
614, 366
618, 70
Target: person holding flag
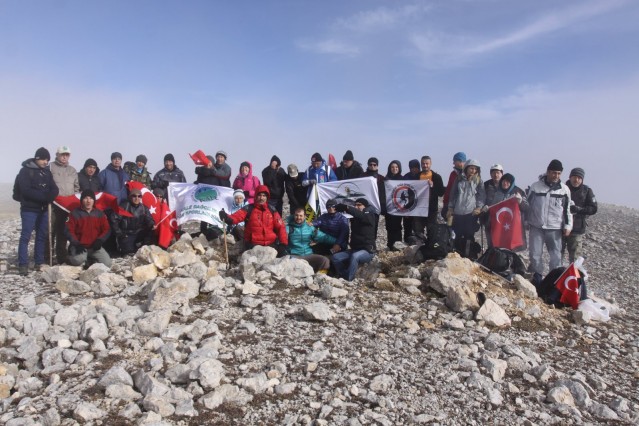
135, 230
165, 222
87, 230
508, 233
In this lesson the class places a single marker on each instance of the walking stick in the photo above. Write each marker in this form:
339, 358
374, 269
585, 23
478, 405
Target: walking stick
50, 237
482, 236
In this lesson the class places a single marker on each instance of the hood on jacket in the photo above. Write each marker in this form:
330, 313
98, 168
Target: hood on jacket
276, 158
250, 167
399, 165
472, 162
510, 178
263, 188
30, 163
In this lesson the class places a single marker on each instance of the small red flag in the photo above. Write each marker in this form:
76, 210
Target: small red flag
332, 162
166, 225
505, 224
199, 158
148, 199
103, 201
568, 286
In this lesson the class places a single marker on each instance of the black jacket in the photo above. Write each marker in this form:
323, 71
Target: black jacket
362, 228
36, 186
352, 172
89, 182
274, 179
296, 192
141, 221
585, 205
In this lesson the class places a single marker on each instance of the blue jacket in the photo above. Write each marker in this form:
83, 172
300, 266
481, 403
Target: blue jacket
300, 236
320, 175
335, 224
37, 187
114, 182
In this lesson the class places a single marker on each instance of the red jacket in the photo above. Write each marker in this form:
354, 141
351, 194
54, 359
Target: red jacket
264, 226
86, 228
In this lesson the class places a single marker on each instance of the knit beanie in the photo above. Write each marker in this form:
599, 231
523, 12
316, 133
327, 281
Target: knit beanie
141, 158
116, 155
87, 193
158, 192
90, 162
42, 154
169, 157
317, 157
331, 203
348, 156
556, 166
373, 160
413, 164
222, 153
579, 172
238, 193
460, 156
363, 201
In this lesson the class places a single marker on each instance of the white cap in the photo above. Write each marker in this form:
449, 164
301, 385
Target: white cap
63, 149
497, 167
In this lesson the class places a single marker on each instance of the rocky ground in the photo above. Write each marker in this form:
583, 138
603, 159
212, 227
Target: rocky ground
180, 337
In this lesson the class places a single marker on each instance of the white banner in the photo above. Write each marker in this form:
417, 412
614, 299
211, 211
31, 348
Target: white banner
407, 198
349, 189
199, 202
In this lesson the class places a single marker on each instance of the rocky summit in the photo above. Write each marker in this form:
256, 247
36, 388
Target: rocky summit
179, 337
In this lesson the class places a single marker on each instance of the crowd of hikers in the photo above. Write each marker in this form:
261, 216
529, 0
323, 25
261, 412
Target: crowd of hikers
554, 212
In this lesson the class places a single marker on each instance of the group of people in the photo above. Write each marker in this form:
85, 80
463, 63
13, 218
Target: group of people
555, 212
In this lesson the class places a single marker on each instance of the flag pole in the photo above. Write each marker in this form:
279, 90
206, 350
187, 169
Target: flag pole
50, 236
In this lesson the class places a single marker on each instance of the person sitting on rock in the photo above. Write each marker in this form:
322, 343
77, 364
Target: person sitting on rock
334, 224
239, 201
301, 238
134, 231
87, 229
263, 224
362, 239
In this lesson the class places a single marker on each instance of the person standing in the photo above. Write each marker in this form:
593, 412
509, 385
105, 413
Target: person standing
583, 204
170, 173
138, 172
36, 190
362, 239
393, 223
274, 177
246, 181
87, 230
113, 178
295, 191
549, 218
458, 164
436, 190
66, 178
413, 174
373, 171
491, 187
88, 176
349, 168
216, 172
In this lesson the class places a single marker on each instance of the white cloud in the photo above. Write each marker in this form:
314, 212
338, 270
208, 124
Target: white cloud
329, 46
380, 19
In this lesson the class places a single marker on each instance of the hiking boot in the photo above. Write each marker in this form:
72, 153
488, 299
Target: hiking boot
38, 267
23, 270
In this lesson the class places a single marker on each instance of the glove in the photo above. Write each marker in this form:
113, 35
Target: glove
341, 208
223, 215
78, 248
518, 197
477, 211
575, 209
97, 245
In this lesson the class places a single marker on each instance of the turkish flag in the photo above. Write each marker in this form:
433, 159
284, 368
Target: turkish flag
165, 224
332, 162
568, 286
148, 199
199, 158
103, 201
505, 224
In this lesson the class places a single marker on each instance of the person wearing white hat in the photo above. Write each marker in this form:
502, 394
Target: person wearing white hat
491, 186
66, 178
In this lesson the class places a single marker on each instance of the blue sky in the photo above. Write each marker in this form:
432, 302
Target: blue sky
511, 82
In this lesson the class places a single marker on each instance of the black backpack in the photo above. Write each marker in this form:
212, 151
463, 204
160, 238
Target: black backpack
549, 293
439, 242
503, 262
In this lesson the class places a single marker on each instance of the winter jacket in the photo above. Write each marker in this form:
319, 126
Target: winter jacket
219, 175
235, 207
437, 190
274, 179
141, 220
549, 205
113, 181
320, 175
449, 186
264, 226
85, 228
37, 187
584, 204
296, 192
501, 195
300, 235
335, 224
354, 171
164, 177
467, 194
90, 182
139, 175
381, 189
362, 228
247, 183
65, 177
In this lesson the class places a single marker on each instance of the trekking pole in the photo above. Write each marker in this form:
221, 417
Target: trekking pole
50, 236
481, 230
226, 248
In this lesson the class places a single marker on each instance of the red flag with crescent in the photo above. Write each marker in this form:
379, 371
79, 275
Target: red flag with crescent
165, 223
332, 162
199, 158
505, 224
103, 201
568, 286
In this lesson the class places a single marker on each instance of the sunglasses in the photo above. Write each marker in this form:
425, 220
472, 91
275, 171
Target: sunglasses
372, 165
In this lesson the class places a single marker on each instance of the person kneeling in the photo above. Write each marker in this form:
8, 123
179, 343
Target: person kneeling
87, 229
301, 238
135, 229
362, 239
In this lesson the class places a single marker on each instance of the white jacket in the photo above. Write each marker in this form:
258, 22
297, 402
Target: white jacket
549, 205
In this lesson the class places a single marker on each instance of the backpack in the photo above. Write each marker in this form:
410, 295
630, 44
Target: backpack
467, 248
547, 291
17, 194
439, 242
503, 262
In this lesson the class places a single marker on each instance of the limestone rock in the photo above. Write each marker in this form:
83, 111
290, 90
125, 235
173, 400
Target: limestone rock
492, 314
70, 286
317, 312
144, 273
461, 298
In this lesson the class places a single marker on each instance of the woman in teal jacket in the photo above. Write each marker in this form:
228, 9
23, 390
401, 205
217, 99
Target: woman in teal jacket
301, 238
